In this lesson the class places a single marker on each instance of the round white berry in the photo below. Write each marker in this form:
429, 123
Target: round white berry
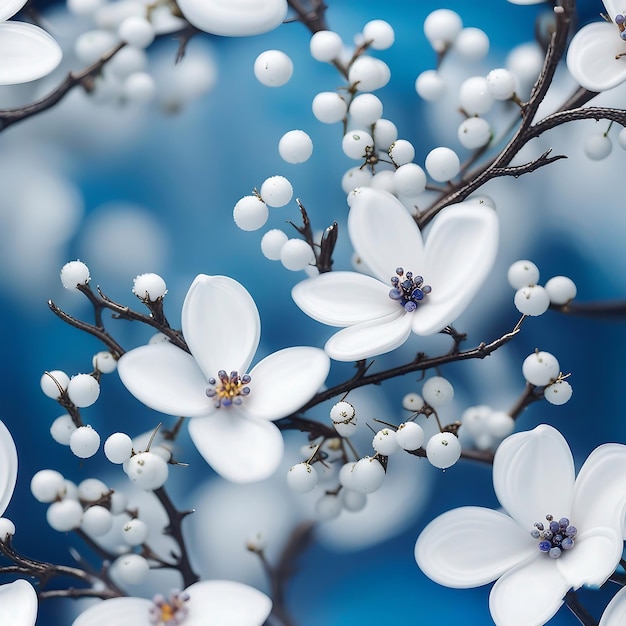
131, 569
475, 97
499, 424
561, 290
438, 391
443, 450
474, 419
472, 44
401, 151
328, 507
356, 177
412, 402
118, 448
430, 86
273, 68
53, 383
558, 392
302, 478
139, 87
83, 7
296, 255
295, 146
83, 390
147, 470
62, 429
367, 475
385, 133
104, 362
345, 475
84, 442
7, 528
136, 31
441, 28
409, 180
355, 142
73, 274
379, 34
47, 485
250, 213
119, 503
540, 368
135, 532
353, 500
329, 107
442, 164
127, 61
369, 74
522, 273
366, 109
64, 515
91, 490
96, 521
91, 45
532, 300
149, 287
325, 46
526, 61
598, 146
342, 412
474, 132
384, 442
276, 191
501, 83
410, 436
272, 243
384, 180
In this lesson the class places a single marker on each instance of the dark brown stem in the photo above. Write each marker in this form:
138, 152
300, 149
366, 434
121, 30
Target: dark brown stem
573, 604
615, 309
530, 395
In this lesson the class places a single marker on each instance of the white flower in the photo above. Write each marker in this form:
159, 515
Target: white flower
26, 51
596, 57
533, 476
454, 261
231, 410
18, 604
615, 612
234, 18
207, 603
8, 467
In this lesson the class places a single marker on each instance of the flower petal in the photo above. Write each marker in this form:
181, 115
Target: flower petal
284, 381
8, 8
471, 546
8, 467
221, 324
528, 595
459, 254
600, 490
234, 18
26, 53
344, 298
118, 611
591, 57
166, 379
593, 558
370, 338
18, 604
533, 475
615, 612
384, 234
239, 448
226, 603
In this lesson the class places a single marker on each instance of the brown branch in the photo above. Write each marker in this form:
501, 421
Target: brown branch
613, 309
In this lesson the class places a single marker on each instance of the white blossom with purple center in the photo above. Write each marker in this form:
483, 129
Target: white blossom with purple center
27, 52
416, 287
596, 57
533, 474
206, 603
231, 410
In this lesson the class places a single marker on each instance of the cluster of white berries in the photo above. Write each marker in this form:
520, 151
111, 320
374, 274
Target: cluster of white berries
542, 369
533, 299
486, 427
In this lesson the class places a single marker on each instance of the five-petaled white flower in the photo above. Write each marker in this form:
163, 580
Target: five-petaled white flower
558, 532
26, 51
596, 57
231, 410
207, 603
418, 287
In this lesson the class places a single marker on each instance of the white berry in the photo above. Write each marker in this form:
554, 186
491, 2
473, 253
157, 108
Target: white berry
438, 391
147, 470
273, 68
367, 475
410, 436
522, 273
149, 287
118, 448
84, 442
443, 450
47, 485
250, 213
276, 191
540, 368
385, 442
558, 392
532, 300
442, 164
74, 274
295, 146
302, 478
53, 383
83, 390
561, 290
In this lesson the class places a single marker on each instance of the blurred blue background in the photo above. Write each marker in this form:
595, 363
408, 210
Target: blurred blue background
178, 177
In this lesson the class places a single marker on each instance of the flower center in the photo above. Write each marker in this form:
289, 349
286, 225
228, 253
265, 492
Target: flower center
408, 290
554, 536
171, 611
228, 389
620, 20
